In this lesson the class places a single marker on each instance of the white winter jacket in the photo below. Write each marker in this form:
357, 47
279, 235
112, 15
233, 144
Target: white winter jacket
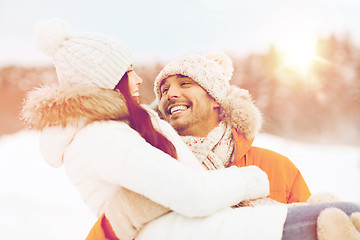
102, 156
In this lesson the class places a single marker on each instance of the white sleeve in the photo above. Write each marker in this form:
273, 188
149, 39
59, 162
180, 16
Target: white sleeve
119, 155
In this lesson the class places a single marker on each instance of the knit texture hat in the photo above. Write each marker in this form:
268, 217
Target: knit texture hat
83, 57
213, 73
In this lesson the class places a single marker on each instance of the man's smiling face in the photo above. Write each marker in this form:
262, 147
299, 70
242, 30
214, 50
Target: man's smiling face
187, 106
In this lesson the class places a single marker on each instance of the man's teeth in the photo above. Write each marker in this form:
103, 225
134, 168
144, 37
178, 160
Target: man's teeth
177, 108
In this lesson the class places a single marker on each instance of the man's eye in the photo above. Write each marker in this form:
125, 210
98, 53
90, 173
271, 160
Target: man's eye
164, 91
185, 83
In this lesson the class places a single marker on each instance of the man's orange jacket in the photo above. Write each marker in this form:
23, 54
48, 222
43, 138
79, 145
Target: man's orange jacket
286, 182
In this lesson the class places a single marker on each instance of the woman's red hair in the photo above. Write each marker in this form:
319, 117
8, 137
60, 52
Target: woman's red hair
141, 122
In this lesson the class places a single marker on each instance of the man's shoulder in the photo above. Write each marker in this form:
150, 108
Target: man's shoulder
268, 156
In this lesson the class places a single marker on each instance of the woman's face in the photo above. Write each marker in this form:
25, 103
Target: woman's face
134, 82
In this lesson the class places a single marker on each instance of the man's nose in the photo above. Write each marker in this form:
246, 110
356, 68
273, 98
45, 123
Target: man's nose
173, 92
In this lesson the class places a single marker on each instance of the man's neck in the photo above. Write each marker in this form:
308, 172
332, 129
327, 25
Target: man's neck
198, 131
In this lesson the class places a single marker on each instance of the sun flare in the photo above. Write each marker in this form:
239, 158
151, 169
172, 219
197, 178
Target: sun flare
298, 54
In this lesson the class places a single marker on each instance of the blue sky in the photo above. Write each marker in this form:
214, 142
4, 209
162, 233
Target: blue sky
163, 29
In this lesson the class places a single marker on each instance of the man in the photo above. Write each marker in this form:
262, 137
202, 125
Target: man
219, 121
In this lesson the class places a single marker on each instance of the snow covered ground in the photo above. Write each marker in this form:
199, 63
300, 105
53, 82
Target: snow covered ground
38, 202
326, 168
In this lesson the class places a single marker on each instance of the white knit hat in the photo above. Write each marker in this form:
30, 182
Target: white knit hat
79, 57
213, 73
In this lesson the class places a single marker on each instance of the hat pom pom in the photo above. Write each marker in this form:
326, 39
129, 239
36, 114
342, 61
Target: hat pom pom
224, 61
49, 34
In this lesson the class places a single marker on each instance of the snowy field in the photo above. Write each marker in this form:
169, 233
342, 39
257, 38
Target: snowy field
38, 202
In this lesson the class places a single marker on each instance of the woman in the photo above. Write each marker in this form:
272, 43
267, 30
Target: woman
112, 149
126, 163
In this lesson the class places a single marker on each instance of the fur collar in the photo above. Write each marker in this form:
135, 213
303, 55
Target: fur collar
71, 105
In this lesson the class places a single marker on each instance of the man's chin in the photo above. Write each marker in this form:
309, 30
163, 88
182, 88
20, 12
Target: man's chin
179, 126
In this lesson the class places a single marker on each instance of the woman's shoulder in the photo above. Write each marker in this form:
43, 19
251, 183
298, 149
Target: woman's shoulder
100, 132
107, 126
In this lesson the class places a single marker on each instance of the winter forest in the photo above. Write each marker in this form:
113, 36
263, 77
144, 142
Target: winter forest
312, 97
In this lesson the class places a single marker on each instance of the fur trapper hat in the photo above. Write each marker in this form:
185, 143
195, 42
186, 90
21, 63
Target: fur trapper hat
83, 57
213, 73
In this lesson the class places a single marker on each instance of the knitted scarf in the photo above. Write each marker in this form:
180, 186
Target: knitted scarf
214, 151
